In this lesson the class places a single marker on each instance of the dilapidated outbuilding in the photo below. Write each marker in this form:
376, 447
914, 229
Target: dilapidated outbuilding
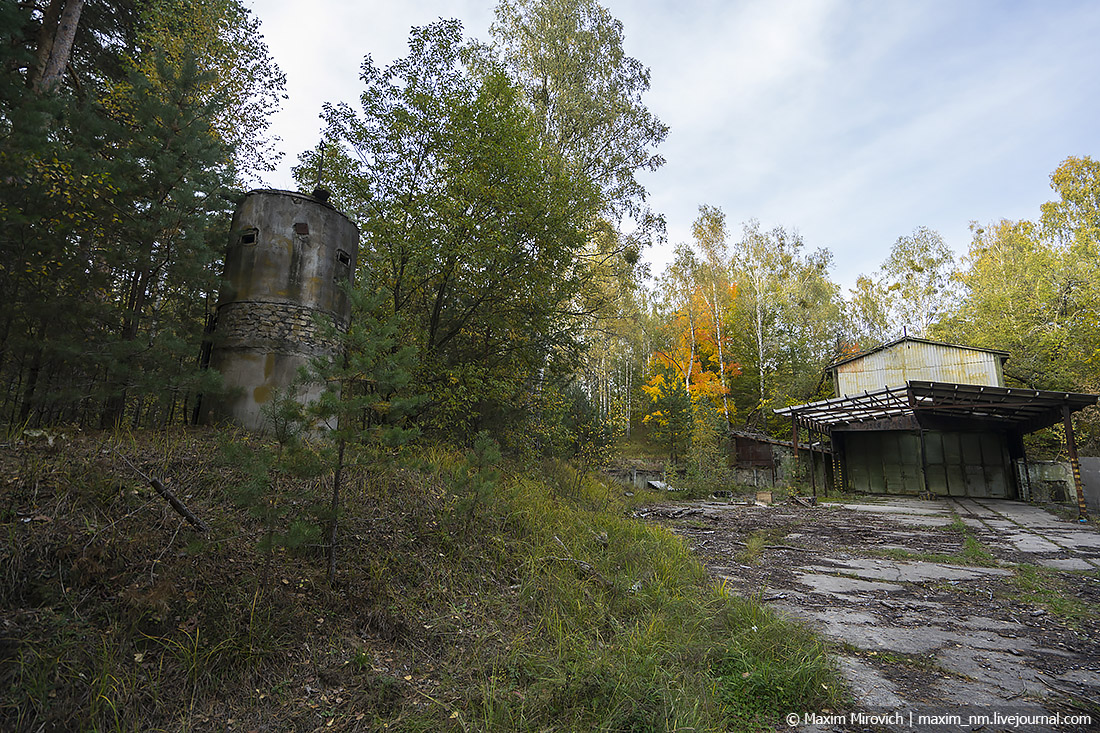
760, 460
916, 416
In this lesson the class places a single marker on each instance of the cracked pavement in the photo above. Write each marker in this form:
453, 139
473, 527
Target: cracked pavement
915, 622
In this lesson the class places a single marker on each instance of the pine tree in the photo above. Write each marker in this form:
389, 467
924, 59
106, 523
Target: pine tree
365, 401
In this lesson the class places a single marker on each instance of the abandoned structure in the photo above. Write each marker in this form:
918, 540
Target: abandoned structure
921, 417
289, 260
763, 461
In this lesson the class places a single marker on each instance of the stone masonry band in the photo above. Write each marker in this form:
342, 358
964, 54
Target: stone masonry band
254, 324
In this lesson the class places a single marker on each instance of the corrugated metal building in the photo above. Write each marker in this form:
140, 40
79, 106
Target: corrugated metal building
922, 417
912, 358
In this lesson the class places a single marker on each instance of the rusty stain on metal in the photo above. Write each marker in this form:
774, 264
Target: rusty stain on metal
909, 359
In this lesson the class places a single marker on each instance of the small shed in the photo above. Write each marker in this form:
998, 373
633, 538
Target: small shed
922, 417
761, 460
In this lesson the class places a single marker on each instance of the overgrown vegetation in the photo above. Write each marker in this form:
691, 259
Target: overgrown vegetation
536, 605
758, 541
500, 308
972, 552
1042, 587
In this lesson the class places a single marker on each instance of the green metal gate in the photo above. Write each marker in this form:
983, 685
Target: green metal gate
955, 463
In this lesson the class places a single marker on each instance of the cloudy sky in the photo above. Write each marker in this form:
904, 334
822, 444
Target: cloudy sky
852, 122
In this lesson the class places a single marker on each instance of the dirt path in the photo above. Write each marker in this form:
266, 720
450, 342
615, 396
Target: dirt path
935, 608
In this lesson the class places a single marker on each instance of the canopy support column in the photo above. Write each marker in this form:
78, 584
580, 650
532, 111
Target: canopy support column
1071, 448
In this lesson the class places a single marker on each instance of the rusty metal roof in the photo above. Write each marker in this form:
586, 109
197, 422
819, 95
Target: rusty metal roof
761, 438
1013, 408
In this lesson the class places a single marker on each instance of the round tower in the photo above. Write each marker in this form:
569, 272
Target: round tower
290, 258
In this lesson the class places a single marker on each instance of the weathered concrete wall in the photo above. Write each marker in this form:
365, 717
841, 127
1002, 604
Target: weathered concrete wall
1053, 481
287, 263
787, 472
1090, 477
1048, 481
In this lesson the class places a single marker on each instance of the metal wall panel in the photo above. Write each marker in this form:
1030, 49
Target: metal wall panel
909, 360
957, 463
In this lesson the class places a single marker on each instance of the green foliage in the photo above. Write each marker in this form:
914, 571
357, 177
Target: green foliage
669, 413
1033, 289
470, 225
627, 629
1074, 219
1031, 297
366, 396
591, 437
474, 480
363, 402
546, 431
114, 207
586, 95
224, 37
707, 467
868, 314
918, 281
1037, 585
787, 321
556, 612
122, 209
277, 480
769, 666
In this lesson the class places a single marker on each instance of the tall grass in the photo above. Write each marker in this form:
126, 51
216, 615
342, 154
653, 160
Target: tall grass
524, 599
622, 630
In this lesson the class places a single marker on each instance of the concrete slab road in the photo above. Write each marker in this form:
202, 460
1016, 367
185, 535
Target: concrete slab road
939, 609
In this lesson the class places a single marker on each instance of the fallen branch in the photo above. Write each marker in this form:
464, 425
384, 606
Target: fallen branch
167, 495
182, 510
590, 571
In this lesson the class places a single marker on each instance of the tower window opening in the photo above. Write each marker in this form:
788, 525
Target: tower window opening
342, 270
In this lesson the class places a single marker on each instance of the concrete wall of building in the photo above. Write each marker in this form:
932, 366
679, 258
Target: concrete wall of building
1090, 478
1052, 481
895, 365
1046, 480
289, 259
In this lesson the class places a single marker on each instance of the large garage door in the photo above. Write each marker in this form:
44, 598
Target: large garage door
883, 463
969, 464
958, 464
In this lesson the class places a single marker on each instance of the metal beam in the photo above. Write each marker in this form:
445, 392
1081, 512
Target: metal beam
1071, 447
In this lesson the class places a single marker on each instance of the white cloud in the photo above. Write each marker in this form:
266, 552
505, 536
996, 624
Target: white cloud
853, 121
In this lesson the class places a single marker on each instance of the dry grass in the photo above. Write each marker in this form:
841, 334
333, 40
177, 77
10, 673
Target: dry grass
540, 606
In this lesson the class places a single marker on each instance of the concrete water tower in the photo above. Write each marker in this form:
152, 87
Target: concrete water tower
289, 259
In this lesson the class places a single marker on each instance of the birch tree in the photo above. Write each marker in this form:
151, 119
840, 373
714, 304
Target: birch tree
709, 230
586, 93
918, 273
793, 314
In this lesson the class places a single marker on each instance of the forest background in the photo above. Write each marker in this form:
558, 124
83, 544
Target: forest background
492, 180
505, 335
